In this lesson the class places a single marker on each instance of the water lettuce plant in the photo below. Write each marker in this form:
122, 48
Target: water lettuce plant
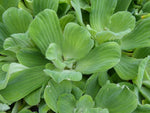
74, 56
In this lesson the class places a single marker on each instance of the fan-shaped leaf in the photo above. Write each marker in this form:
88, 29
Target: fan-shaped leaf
77, 42
16, 20
100, 58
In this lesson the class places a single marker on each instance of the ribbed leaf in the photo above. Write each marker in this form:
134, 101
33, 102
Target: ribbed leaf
66, 19
45, 29
40, 5
122, 5
142, 109
85, 102
77, 42
145, 92
142, 66
34, 97
102, 78
92, 87
105, 36
66, 103
1, 11
3, 77
127, 68
146, 7
101, 10
12, 68
18, 41
54, 54
31, 57
70, 75
3, 34
54, 90
76, 6
4, 107
141, 52
116, 99
16, 20
122, 21
24, 82
9, 3
100, 58
139, 37
96, 110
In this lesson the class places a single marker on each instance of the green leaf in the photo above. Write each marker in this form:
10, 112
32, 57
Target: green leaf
116, 98
142, 109
45, 29
3, 77
76, 5
142, 66
17, 20
66, 103
9, 3
85, 102
105, 36
3, 34
31, 57
54, 54
139, 37
43, 108
145, 92
40, 5
77, 92
102, 78
123, 5
24, 82
17, 42
101, 58
77, 42
127, 68
66, 19
12, 68
101, 10
63, 9
59, 76
92, 87
4, 107
121, 22
34, 97
96, 110
141, 52
146, 7
1, 11
54, 90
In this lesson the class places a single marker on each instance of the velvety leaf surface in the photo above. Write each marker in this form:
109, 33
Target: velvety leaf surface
53, 90
122, 5
116, 99
66, 103
139, 37
122, 21
45, 29
127, 68
17, 20
76, 6
101, 58
101, 10
59, 76
77, 42
92, 87
17, 41
40, 5
24, 82
31, 57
